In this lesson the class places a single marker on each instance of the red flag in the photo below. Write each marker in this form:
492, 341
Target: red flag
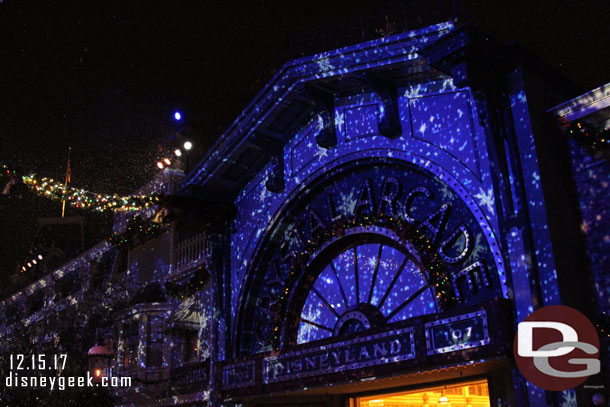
68, 173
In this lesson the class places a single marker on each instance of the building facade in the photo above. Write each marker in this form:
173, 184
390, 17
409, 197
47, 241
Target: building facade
368, 232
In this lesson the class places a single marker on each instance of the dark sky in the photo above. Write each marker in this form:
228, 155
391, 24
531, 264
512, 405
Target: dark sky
105, 77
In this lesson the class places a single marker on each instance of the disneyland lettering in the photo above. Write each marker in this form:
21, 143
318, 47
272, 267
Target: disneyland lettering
371, 351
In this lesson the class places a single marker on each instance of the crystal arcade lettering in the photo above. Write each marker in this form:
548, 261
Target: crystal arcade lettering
396, 191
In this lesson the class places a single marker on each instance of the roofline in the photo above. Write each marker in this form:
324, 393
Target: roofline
340, 61
584, 105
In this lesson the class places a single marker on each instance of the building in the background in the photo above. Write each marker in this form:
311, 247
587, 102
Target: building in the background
587, 119
368, 232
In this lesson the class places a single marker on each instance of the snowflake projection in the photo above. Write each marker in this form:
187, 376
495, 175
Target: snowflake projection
292, 238
413, 92
422, 128
206, 395
325, 65
339, 119
205, 351
479, 248
448, 85
486, 199
307, 331
568, 399
446, 193
347, 202
372, 261
264, 194
321, 153
320, 123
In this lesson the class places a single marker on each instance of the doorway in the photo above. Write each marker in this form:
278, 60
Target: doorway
469, 394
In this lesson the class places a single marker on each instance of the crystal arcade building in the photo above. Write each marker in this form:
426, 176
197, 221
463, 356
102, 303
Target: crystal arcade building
368, 232
391, 228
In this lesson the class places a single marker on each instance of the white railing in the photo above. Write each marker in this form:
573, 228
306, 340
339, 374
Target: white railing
190, 253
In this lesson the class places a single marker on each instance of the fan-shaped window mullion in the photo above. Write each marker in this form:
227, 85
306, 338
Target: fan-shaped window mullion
363, 287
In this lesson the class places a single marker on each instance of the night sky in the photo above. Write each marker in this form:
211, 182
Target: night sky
106, 77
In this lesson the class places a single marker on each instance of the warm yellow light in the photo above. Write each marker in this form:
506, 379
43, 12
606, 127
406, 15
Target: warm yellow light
475, 394
98, 372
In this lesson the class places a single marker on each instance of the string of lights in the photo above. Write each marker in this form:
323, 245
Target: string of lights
431, 261
598, 139
80, 198
31, 263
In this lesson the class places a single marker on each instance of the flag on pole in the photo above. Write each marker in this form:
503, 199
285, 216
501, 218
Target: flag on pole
68, 177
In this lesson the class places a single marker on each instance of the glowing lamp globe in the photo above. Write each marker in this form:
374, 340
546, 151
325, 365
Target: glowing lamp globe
188, 145
99, 362
177, 116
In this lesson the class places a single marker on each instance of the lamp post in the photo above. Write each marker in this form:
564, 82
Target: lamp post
99, 362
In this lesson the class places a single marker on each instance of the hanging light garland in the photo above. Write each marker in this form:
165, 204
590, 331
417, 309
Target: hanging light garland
437, 272
138, 231
80, 198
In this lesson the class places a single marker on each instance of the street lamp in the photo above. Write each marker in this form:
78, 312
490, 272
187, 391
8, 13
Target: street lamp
99, 362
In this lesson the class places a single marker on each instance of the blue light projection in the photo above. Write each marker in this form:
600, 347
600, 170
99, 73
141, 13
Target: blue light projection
442, 133
382, 277
374, 273
305, 161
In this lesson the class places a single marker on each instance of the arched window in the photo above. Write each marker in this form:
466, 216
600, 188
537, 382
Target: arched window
365, 286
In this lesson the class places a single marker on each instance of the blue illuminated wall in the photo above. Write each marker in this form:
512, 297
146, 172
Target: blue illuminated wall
592, 175
444, 132
441, 133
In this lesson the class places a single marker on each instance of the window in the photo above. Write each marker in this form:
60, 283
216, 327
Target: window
185, 347
131, 341
154, 348
190, 346
365, 285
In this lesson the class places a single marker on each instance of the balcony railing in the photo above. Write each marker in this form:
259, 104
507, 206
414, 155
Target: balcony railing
191, 253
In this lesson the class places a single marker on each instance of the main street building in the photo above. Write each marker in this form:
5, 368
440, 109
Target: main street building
368, 232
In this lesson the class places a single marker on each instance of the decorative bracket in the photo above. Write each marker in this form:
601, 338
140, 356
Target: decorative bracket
389, 125
324, 103
272, 144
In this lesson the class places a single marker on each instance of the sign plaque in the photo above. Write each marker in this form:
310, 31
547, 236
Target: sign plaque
383, 348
